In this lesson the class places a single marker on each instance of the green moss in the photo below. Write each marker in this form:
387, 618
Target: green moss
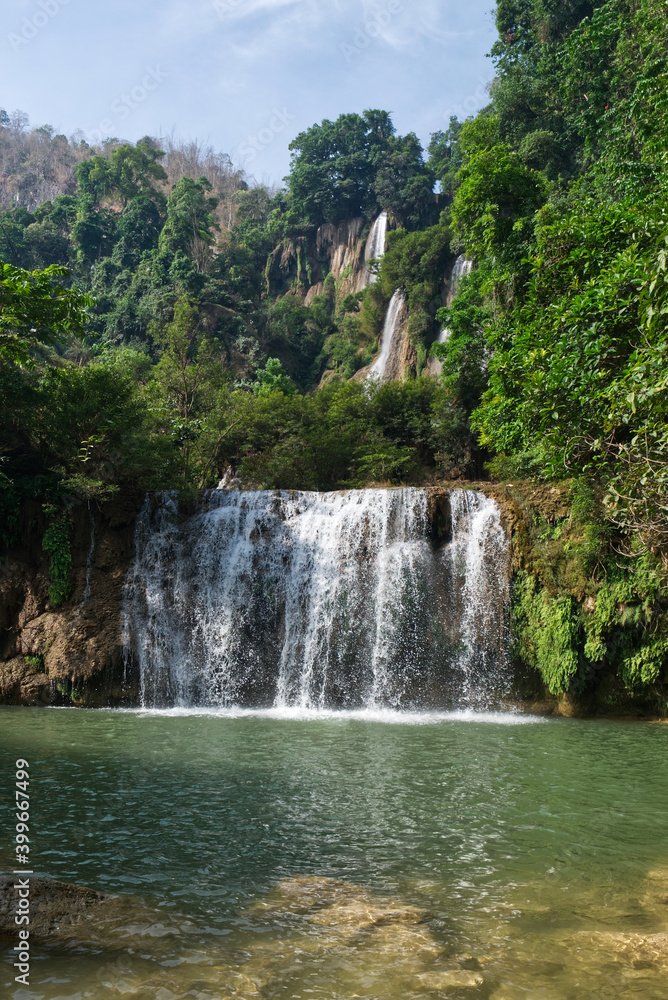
57, 542
586, 612
36, 662
647, 664
421, 356
546, 633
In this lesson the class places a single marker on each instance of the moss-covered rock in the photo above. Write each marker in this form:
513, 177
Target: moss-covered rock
71, 654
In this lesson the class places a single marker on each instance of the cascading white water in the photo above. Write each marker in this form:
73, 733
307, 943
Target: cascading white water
339, 600
390, 336
375, 249
479, 556
460, 269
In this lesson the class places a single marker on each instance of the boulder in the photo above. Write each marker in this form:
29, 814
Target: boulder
60, 912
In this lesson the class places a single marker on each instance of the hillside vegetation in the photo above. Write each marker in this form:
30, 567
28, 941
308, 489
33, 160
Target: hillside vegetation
154, 330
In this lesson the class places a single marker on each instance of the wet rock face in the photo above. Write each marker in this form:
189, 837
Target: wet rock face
72, 654
439, 513
75, 655
340, 246
402, 362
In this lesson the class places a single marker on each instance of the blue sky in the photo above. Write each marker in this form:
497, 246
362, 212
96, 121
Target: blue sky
242, 75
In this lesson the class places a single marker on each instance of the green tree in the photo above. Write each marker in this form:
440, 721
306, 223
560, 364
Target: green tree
129, 171
498, 196
190, 223
13, 225
138, 230
445, 156
35, 309
273, 378
93, 234
404, 183
334, 165
91, 427
191, 390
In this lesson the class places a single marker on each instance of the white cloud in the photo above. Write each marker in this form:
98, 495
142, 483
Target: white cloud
256, 27
413, 22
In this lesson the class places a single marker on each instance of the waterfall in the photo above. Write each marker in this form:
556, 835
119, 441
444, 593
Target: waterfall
461, 267
479, 555
307, 600
374, 250
391, 330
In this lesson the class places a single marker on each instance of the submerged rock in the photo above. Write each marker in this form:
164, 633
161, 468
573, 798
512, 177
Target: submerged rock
639, 951
132, 979
655, 896
307, 932
64, 913
334, 901
54, 906
385, 947
450, 979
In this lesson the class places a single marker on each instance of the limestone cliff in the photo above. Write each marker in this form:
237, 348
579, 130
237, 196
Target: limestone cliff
300, 266
303, 263
71, 654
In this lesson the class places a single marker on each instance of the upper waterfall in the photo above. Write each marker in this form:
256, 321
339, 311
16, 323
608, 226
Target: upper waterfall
374, 250
391, 330
460, 269
318, 601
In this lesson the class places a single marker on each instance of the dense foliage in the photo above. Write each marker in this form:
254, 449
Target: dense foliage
356, 166
561, 199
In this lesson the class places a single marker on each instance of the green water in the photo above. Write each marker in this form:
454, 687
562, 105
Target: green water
531, 859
